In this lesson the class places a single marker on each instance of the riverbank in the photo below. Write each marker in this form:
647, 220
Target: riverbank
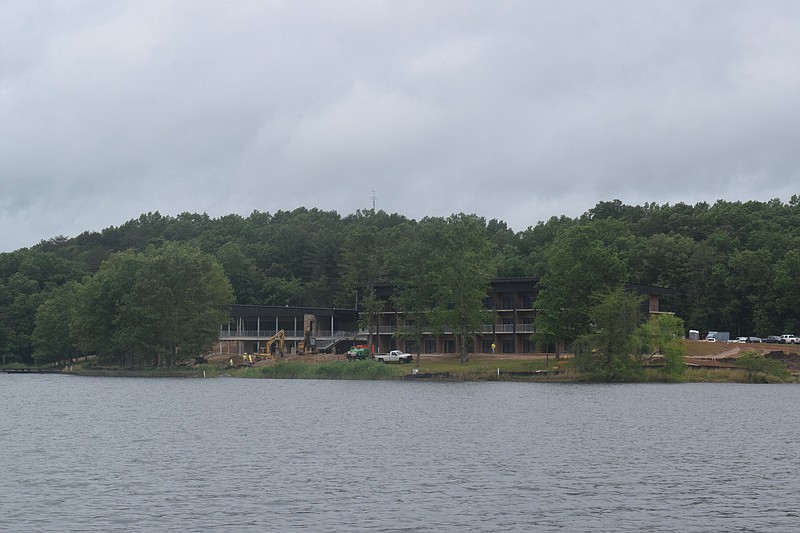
706, 362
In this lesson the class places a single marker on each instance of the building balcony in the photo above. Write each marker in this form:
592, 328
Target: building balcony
290, 334
485, 329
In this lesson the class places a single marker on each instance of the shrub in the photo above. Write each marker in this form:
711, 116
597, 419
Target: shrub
756, 363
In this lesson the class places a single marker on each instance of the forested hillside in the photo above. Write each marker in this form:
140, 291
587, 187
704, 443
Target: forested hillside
735, 266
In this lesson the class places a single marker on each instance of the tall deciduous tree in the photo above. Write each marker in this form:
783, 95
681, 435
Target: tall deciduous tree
368, 260
98, 304
52, 336
787, 288
663, 334
579, 264
413, 289
451, 273
609, 349
157, 306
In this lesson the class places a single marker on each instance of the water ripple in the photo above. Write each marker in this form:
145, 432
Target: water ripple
100, 454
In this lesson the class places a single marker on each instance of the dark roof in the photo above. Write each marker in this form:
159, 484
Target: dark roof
513, 284
288, 311
652, 290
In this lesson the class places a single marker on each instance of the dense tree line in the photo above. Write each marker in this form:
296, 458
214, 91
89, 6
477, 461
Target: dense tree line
141, 308
734, 265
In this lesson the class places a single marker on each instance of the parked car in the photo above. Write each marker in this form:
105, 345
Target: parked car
787, 338
773, 338
395, 356
753, 339
740, 339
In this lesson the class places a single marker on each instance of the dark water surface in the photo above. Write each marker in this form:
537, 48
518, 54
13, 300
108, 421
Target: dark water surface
127, 454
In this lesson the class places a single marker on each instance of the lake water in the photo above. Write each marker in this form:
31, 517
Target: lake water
126, 454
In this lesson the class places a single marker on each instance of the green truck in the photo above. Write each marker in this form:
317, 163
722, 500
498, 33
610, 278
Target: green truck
358, 353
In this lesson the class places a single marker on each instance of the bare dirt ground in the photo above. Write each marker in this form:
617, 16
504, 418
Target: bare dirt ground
698, 352
728, 352
792, 360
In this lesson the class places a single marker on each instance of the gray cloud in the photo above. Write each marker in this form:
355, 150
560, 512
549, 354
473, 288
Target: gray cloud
513, 110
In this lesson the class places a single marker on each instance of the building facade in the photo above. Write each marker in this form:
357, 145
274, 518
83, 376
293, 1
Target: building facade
510, 301
250, 326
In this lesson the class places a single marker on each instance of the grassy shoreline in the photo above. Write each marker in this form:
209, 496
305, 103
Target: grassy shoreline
501, 370
443, 367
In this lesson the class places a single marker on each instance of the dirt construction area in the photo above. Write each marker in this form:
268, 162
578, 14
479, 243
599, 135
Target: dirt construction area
725, 354
706, 354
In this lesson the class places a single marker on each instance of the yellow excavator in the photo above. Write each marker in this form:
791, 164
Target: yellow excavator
280, 339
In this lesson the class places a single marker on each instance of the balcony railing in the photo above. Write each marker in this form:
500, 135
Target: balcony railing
509, 328
297, 334
485, 329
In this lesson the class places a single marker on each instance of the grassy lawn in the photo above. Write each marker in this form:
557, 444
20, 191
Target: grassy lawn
482, 364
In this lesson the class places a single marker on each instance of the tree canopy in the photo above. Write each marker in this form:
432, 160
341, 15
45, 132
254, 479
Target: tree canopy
444, 276
733, 265
156, 306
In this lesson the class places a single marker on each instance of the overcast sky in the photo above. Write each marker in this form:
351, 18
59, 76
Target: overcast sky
510, 110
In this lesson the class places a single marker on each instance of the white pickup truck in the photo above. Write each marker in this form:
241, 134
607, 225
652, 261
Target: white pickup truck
395, 356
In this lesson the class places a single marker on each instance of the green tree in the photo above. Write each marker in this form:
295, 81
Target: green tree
52, 336
535, 241
663, 334
177, 302
154, 307
579, 264
609, 350
510, 262
453, 270
98, 304
787, 288
367, 261
748, 280
245, 278
413, 288
660, 259
24, 295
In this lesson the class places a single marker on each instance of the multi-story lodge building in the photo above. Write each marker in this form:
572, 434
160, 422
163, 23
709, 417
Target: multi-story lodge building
512, 302
250, 326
